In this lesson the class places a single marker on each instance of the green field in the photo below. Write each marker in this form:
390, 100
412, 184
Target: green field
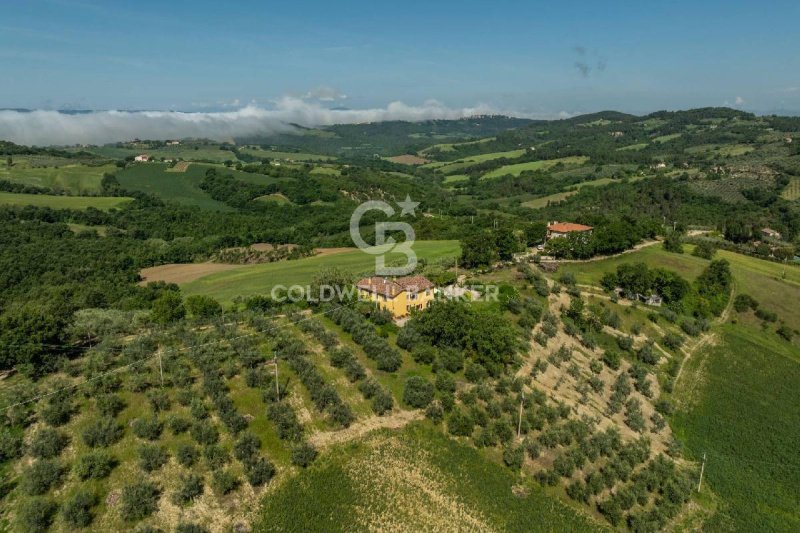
460, 164
667, 138
259, 279
181, 187
76, 178
63, 202
741, 411
414, 480
294, 156
537, 203
763, 280
455, 178
519, 168
635, 147
792, 191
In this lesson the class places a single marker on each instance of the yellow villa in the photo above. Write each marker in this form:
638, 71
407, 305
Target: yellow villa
400, 296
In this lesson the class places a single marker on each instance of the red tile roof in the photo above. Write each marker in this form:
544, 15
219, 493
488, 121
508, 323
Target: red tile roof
568, 227
391, 288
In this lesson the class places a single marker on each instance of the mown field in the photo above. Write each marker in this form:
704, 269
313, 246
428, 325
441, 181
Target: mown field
414, 480
181, 187
259, 279
76, 178
741, 410
543, 201
295, 156
459, 164
62, 202
518, 168
792, 191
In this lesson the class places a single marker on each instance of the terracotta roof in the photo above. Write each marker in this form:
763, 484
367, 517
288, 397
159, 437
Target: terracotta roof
568, 227
391, 288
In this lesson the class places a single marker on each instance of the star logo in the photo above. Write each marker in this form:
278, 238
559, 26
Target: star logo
408, 207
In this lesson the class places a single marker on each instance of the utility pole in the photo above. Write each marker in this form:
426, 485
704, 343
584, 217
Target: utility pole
277, 383
702, 469
519, 424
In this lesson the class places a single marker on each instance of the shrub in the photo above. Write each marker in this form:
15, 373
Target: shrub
36, 514
103, 433
95, 465
612, 359
424, 354
246, 447
418, 392
77, 510
216, 456
186, 454
435, 412
159, 401
10, 444
57, 412
460, 423
408, 338
204, 433
766, 316
138, 500
382, 403
259, 471
178, 424
449, 359
705, 250
47, 443
786, 332
224, 482
147, 428
303, 454
152, 457
191, 486
513, 456
110, 405
673, 341
41, 476
744, 302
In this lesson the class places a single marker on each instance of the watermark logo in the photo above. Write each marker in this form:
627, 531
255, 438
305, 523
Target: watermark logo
387, 244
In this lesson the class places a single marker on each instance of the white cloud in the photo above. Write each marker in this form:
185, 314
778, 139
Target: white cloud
324, 94
739, 101
51, 127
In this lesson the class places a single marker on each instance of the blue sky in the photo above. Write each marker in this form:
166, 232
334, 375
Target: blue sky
530, 57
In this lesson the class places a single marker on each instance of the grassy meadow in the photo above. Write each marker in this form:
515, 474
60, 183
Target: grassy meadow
738, 408
518, 168
259, 279
413, 480
181, 187
63, 202
74, 177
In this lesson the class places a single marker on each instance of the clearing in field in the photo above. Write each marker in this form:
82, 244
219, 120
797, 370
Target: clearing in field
103, 203
72, 177
407, 159
183, 273
792, 191
180, 166
182, 187
460, 164
259, 279
414, 480
518, 168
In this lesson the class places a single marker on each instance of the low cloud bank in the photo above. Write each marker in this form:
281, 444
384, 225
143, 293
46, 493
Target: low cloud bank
54, 128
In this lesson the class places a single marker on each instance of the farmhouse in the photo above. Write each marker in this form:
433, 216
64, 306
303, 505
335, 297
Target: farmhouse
563, 229
142, 158
771, 233
400, 296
